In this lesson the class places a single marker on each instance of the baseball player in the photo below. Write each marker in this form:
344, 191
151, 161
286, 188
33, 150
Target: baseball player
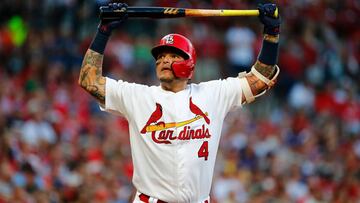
175, 127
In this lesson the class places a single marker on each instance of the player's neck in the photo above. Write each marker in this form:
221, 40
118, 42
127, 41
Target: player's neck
174, 85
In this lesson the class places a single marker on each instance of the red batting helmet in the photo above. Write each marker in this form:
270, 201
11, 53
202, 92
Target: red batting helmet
183, 46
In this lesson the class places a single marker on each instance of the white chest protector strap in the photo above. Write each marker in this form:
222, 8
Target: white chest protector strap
246, 87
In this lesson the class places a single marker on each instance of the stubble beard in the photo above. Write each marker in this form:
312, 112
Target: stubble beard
166, 80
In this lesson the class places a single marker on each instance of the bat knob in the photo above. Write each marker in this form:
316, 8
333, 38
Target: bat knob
108, 13
270, 10
276, 13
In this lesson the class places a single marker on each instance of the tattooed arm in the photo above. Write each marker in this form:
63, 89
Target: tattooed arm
265, 71
268, 71
91, 78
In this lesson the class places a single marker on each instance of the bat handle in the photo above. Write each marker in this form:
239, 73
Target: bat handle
135, 12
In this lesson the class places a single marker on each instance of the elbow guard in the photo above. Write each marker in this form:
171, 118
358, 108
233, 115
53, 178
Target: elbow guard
249, 97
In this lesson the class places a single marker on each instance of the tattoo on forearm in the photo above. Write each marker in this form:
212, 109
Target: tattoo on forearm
266, 70
94, 91
91, 77
93, 58
256, 85
272, 38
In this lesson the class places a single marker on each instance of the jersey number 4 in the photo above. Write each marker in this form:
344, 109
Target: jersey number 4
204, 150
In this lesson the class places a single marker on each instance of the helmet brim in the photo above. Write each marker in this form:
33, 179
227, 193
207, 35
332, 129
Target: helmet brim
164, 48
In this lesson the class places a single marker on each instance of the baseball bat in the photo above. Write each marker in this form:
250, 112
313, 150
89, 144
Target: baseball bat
168, 12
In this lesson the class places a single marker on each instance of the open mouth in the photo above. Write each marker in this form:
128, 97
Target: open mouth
166, 69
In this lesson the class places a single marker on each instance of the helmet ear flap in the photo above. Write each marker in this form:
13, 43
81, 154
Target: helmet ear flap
183, 69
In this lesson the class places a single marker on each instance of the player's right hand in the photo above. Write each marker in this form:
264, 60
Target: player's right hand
107, 26
268, 18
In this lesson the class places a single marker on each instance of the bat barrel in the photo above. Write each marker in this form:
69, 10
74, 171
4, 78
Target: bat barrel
150, 12
219, 12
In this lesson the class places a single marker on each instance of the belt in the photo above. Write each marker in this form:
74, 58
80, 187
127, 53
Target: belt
146, 198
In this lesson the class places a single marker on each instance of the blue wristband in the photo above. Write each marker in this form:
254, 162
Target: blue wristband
269, 53
99, 42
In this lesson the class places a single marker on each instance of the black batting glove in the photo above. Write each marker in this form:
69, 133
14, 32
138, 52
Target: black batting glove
266, 16
107, 26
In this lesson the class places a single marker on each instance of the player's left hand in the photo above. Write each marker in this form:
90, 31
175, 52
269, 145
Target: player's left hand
107, 26
267, 17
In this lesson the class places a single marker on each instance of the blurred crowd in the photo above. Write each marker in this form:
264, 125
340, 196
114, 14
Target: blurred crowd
300, 143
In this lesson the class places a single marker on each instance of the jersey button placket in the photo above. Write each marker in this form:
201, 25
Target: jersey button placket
176, 148
180, 146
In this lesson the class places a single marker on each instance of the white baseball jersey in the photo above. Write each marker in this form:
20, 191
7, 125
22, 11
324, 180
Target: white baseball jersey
174, 137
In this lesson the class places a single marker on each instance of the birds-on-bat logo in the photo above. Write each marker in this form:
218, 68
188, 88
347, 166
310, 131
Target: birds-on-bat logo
166, 134
155, 116
197, 111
